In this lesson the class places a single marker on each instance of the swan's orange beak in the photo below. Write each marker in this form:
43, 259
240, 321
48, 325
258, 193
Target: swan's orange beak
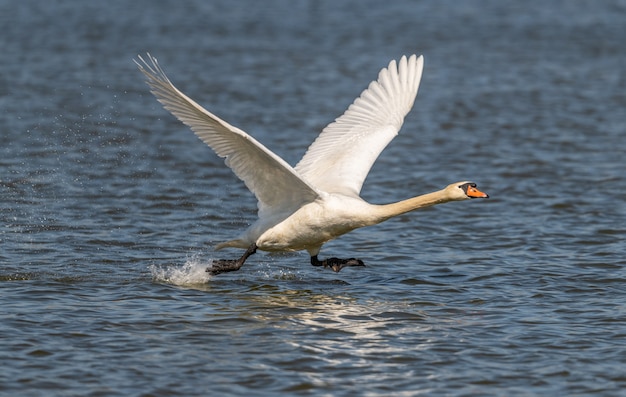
473, 192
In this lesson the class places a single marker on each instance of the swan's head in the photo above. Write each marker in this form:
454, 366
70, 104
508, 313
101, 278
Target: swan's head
464, 190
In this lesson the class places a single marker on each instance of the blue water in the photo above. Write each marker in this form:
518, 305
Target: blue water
110, 207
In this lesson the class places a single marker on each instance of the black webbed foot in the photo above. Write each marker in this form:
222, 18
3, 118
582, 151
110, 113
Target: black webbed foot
224, 266
230, 265
336, 263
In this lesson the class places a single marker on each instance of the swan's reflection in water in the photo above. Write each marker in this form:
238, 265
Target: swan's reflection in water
332, 336
317, 329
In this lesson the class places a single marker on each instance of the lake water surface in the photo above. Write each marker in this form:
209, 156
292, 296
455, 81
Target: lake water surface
109, 207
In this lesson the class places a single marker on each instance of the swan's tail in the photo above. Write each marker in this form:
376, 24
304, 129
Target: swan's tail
237, 243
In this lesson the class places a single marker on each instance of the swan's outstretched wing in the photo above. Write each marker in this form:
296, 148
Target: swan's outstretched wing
341, 157
274, 182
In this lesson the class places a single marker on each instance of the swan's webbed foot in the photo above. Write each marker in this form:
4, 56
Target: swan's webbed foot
336, 263
230, 265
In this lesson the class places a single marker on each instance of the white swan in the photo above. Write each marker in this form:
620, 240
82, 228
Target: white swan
303, 207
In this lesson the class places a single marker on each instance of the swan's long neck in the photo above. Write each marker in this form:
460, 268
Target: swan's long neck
387, 211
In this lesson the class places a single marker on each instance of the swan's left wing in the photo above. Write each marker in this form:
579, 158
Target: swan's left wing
274, 182
341, 157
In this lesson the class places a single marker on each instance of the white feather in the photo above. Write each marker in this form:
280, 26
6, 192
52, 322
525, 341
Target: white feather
341, 157
276, 185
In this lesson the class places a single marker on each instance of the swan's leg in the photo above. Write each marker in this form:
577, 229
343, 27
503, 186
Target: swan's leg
336, 263
226, 265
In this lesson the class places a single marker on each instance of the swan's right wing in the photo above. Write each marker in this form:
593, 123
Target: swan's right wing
341, 157
274, 182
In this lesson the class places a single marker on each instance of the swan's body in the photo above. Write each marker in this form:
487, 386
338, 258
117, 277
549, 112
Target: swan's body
302, 207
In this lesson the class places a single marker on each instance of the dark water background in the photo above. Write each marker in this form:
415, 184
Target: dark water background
109, 207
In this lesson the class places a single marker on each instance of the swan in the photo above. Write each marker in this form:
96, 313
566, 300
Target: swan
303, 207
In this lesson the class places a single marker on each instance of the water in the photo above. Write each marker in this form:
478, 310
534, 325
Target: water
110, 207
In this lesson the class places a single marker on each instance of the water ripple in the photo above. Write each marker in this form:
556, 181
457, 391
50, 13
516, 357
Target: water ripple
111, 208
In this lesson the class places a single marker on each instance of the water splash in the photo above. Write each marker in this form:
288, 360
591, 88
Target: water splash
192, 272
